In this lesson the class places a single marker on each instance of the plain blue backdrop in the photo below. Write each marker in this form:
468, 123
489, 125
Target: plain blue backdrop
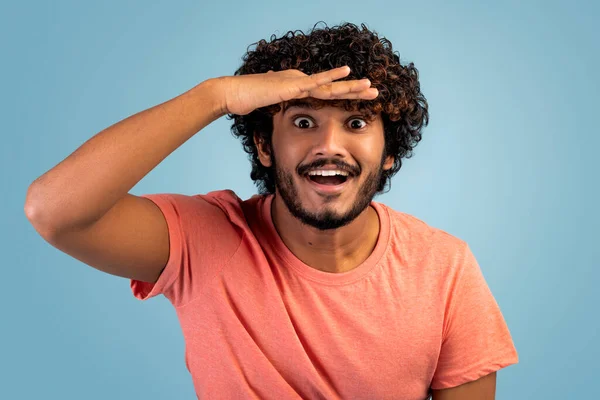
507, 163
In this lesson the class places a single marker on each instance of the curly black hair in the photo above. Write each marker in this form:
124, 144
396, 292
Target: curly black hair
403, 108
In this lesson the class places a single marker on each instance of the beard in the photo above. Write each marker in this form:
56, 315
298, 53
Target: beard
327, 218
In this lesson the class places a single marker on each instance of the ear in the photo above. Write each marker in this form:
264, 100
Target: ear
264, 151
389, 163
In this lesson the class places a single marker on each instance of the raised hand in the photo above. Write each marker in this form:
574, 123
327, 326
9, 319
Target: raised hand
245, 93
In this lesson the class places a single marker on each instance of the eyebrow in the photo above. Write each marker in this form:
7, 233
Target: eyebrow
307, 104
299, 103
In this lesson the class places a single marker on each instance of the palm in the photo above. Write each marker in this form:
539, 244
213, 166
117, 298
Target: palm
249, 92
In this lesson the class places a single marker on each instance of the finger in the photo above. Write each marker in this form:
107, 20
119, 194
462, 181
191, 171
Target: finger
339, 88
336, 89
325, 77
368, 94
353, 86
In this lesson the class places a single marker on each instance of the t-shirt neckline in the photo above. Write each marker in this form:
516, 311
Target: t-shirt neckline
306, 271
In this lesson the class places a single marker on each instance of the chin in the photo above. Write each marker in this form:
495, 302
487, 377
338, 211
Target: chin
324, 206
325, 217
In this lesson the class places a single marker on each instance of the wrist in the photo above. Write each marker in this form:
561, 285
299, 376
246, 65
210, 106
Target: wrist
213, 92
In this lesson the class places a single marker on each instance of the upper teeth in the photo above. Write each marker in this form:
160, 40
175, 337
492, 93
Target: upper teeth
328, 172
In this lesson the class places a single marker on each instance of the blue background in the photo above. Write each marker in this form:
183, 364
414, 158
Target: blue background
506, 164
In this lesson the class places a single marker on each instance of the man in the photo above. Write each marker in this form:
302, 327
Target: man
310, 290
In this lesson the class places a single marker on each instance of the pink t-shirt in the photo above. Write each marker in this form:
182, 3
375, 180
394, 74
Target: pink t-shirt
260, 324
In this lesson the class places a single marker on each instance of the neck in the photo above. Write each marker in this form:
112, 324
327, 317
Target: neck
335, 250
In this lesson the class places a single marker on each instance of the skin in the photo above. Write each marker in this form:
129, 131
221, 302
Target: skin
301, 136
483, 388
98, 222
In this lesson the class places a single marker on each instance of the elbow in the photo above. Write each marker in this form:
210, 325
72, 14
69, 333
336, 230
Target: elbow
35, 213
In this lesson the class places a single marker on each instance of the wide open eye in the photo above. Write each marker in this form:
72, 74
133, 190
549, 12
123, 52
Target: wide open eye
354, 125
303, 122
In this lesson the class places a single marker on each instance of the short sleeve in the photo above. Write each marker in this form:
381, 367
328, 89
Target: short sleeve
476, 340
201, 239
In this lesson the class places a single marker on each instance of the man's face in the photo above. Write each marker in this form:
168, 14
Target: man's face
328, 163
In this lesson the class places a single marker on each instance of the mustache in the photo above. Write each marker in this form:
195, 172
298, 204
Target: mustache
350, 169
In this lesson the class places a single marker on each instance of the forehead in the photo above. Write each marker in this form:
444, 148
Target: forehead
309, 103
330, 105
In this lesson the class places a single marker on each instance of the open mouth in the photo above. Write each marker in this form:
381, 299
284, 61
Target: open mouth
328, 180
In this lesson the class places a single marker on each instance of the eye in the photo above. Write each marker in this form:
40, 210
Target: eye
304, 122
354, 125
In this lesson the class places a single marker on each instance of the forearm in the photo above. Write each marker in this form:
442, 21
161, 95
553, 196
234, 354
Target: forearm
85, 185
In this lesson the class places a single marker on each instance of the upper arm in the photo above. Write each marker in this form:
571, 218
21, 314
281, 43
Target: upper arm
482, 389
131, 240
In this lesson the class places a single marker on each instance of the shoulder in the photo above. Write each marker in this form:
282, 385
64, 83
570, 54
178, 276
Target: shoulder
419, 239
418, 229
213, 210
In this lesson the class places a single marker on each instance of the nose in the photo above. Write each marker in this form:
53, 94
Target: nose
329, 141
